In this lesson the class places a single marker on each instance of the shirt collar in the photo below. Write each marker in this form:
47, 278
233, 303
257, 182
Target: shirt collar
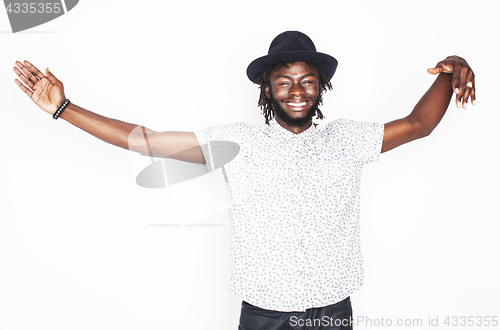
276, 131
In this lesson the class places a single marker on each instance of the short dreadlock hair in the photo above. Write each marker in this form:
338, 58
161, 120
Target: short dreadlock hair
263, 80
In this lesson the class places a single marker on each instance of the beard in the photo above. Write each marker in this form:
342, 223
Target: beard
295, 122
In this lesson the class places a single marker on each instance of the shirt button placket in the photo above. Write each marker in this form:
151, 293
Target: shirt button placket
299, 193
298, 201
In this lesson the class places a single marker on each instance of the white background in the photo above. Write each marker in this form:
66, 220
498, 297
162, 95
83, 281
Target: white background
83, 247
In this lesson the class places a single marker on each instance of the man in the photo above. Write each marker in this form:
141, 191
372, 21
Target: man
293, 188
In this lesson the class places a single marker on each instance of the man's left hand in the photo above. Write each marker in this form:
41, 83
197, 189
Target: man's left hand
463, 80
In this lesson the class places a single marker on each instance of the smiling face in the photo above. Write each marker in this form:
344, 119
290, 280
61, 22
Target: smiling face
294, 90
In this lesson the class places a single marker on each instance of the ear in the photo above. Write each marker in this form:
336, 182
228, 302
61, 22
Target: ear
268, 91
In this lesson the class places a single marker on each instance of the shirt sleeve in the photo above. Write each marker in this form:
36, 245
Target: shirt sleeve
218, 145
362, 140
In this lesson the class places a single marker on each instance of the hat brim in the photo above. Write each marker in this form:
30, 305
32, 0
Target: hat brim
326, 62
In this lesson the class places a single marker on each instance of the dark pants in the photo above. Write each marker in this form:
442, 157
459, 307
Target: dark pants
333, 317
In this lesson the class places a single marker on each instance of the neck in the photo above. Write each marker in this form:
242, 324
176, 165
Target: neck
292, 128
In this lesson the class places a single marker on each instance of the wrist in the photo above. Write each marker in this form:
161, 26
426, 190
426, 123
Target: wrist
61, 109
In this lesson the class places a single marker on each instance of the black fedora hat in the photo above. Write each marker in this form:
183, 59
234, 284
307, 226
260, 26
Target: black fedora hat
292, 46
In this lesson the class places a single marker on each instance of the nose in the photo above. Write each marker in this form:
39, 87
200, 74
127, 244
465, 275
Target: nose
297, 90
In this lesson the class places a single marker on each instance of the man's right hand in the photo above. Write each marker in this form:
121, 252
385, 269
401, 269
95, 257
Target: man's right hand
46, 91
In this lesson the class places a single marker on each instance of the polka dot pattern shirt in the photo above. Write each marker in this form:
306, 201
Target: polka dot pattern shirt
294, 210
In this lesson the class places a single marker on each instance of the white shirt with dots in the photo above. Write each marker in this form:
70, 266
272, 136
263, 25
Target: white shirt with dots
294, 209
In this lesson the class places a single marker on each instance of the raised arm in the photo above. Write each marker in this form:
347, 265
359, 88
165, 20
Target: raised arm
454, 75
48, 93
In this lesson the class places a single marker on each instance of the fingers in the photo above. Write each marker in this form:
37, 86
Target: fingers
435, 70
30, 71
463, 83
468, 88
34, 70
24, 88
473, 92
455, 83
23, 78
441, 67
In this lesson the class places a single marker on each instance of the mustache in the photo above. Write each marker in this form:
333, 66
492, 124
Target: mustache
293, 99
281, 113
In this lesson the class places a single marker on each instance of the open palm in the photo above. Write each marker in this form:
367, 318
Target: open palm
46, 91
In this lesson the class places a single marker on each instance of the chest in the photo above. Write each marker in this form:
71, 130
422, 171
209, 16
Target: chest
291, 173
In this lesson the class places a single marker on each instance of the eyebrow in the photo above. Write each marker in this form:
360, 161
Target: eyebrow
290, 77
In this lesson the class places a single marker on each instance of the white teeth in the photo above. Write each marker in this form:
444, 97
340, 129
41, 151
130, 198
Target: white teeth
296, 104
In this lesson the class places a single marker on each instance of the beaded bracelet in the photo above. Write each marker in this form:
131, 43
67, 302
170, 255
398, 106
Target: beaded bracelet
60, 110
